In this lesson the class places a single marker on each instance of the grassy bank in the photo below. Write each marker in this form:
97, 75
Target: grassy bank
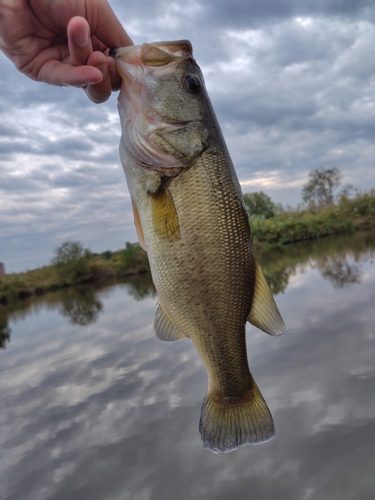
89, 268
287, 226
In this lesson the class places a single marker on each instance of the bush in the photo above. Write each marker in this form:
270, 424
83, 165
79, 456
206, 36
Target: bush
72, 262
362, 204
299, 225
260, 204
133, 259
107, 255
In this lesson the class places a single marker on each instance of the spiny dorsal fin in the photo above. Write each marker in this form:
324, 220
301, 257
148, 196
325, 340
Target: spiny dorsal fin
264, 313
164, 326
138, 227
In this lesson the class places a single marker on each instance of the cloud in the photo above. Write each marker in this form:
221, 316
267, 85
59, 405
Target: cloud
292, 84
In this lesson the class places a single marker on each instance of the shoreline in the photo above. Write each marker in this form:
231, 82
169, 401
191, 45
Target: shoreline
279, 232
91, 269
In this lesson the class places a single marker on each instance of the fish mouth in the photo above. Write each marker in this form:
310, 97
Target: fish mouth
158, 58
154, 54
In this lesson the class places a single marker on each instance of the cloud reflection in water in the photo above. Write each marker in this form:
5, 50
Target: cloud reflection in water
105, 411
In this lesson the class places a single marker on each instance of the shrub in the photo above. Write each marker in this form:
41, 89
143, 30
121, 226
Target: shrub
260, 204
72, 262
107, 255
133, 259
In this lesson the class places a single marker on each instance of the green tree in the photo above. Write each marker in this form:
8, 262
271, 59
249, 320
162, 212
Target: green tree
260, 203
107, 255
133, 259
319, 188
68, 251
72, 262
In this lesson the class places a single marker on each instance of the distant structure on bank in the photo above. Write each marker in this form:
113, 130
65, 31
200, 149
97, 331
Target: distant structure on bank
2, 269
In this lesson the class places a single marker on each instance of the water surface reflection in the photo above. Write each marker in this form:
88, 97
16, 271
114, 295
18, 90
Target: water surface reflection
93, 406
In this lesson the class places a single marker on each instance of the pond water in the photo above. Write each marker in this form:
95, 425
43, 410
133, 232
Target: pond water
93, 406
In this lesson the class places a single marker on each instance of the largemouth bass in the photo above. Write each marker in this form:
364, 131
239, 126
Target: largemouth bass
191, 219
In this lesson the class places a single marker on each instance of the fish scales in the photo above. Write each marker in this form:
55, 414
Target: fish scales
191, 219
214, 261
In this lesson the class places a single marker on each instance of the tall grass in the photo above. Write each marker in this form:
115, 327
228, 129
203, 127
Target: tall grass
292, 225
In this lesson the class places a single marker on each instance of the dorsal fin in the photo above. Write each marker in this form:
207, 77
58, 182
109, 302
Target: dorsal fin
264, 312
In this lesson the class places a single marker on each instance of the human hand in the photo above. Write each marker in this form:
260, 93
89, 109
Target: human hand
64, 42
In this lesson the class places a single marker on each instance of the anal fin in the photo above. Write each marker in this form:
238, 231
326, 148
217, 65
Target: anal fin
164, 326
264, 312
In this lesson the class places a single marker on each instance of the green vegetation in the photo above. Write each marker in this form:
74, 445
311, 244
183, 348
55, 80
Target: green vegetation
272, 226
297, 225
260, 204
73, 265
320, 216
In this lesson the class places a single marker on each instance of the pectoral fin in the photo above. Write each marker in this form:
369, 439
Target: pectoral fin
264, 313
164, 215
138, 227
164, 326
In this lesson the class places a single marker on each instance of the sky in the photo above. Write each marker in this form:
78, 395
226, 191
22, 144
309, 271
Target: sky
292, 84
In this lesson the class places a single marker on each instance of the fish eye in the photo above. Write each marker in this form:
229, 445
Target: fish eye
192, 84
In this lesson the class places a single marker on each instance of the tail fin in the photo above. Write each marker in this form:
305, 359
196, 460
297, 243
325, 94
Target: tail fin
224, 426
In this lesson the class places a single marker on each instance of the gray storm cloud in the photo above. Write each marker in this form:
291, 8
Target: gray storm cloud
292, 85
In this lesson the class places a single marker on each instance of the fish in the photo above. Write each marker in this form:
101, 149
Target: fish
191, 219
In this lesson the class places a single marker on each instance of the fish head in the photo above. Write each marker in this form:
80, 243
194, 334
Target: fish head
162, 105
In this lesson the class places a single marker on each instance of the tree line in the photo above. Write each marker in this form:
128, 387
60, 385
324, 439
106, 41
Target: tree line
317, 193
